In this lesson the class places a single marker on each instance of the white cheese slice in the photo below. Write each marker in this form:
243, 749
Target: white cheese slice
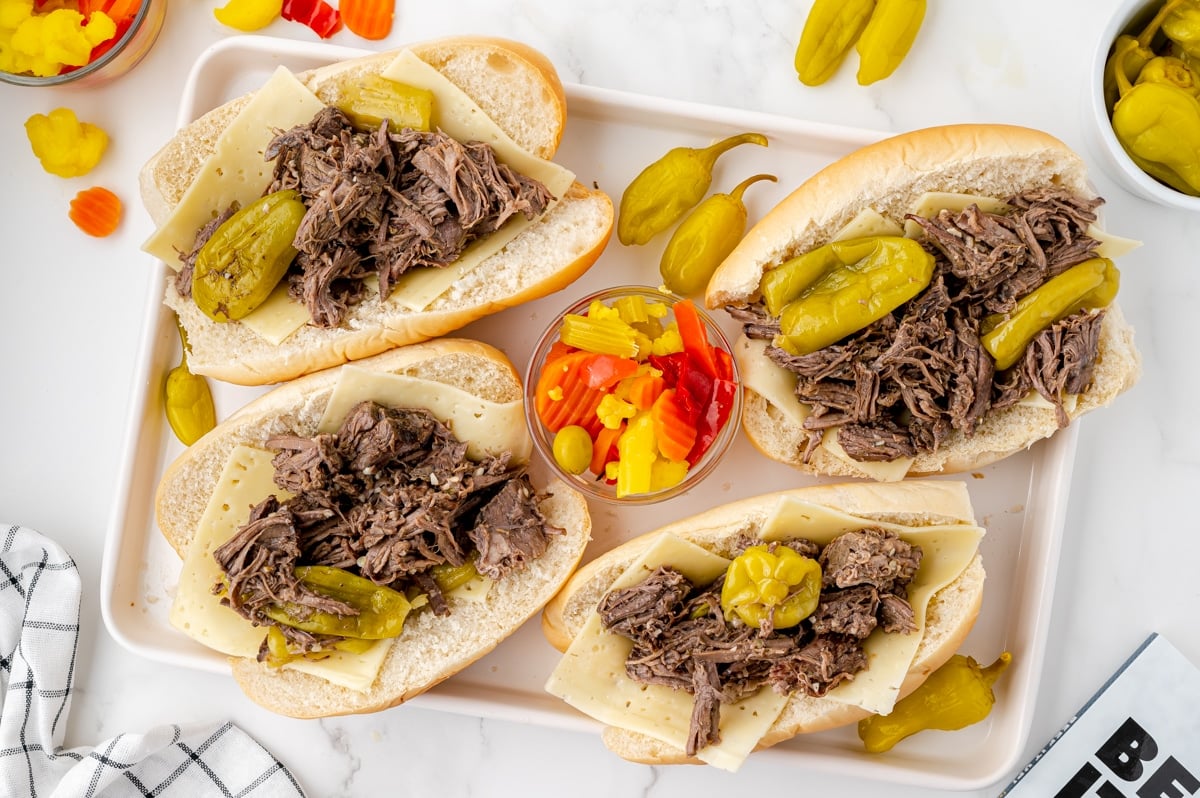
946, 552
1035, 399
929, 203
775, 384
278, 317
237, 170
591, 675
488, 428
869, 222
195, 611
1112, 246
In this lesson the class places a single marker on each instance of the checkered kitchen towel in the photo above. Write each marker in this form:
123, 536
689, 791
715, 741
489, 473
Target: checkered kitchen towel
39, 631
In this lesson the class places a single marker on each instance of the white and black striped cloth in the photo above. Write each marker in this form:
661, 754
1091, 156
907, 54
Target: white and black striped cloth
39, 632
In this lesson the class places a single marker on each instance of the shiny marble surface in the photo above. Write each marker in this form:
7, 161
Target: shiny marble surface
71, 325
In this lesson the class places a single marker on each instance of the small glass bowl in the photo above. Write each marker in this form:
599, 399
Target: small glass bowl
1130, 16
124, 55
587, 482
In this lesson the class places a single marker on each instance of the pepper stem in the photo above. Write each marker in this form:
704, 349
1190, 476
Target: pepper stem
713, 151
1152, 27
992, 672
740, 188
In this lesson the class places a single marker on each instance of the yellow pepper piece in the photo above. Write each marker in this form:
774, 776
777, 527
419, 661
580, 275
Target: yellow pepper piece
888, 37
636, 454
954, 696
248, 15
779, 588
831, 27
596, 333
65, 146
667, 473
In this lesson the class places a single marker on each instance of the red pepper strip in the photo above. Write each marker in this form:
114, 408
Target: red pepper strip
695, 337
318, 15
713, 420
604, 448
724, 364
604, 371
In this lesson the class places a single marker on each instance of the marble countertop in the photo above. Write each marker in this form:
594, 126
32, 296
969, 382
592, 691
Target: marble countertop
71, 325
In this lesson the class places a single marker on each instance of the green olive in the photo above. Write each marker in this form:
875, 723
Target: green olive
375, 98
240, 265
573, 449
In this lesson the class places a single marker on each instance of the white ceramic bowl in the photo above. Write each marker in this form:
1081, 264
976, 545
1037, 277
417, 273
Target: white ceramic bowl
589, 483
1131, 15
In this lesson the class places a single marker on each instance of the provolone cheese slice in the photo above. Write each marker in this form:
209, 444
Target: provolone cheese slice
237, 171
869, 222
488, 428
1112, 246
946, 552
245, 481
591, 675
929, 203
775, 384
278, 317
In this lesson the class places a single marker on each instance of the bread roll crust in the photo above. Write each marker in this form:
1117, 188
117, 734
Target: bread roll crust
519, 89
950, 615
431, 648
888, 176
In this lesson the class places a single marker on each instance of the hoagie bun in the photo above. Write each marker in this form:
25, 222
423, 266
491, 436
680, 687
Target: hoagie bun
568, 620
889, 178
515, 87
431, 647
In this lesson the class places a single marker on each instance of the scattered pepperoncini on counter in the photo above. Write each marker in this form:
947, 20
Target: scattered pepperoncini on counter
771, 587
882, 31
670, 187
187, 400
65, 146
704, 239
955, 696
1152, 95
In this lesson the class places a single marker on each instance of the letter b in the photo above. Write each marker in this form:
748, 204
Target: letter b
1127, 749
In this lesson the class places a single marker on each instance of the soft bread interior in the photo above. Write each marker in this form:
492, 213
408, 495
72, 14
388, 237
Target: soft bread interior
989, 160
519, 90
430, 648
950, 615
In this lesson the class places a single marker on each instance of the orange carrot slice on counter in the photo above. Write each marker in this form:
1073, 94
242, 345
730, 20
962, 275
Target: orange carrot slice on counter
96, 211
370, 19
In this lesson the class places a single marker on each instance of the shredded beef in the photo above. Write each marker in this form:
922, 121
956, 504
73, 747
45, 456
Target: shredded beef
386, 201
902, 385
683, 640
388, 496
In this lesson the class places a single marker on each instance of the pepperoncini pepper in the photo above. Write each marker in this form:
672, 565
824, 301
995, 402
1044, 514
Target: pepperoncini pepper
1130, 53
372, 98
1158, 125
1181, 24
1171, 71
669, 187
955, 696
771, 588
876, 275
187, 400
887, 38
65, 146
1090, 284
704, 239
831, 28
379, 611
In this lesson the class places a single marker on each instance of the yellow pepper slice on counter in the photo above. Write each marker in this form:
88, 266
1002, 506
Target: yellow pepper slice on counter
955, 696
65, 146
781, 587
248, 15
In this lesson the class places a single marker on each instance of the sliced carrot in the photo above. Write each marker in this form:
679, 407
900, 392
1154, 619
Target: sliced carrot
644, 389
674, 434
96, 211
370, 19
604, 448
562, 398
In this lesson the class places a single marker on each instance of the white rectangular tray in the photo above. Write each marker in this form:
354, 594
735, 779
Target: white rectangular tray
610, 136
